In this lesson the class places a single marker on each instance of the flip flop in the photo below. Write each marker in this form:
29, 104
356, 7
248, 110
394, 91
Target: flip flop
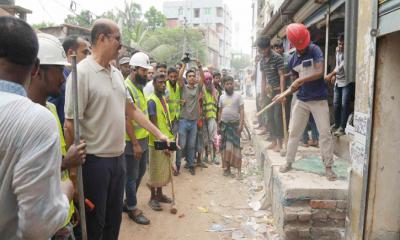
164, 199
155, 205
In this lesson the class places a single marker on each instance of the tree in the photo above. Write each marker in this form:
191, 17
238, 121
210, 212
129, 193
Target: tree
43, 25
83, 19
154, 19
240, 62
166, 45
131, 14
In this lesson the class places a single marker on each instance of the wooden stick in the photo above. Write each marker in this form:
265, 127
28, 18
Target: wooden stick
76, 142
284, 94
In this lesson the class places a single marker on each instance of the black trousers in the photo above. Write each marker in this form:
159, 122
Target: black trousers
103, 183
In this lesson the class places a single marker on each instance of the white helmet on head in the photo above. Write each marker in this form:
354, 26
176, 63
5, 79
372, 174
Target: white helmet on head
51, 52
140, 59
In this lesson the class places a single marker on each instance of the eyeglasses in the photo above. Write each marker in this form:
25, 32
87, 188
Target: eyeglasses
118, 37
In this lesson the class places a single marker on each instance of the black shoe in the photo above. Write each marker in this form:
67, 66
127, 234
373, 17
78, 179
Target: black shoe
191, 170
139, 219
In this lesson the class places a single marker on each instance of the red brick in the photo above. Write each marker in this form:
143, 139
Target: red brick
290, 217
323, 204
340, 215
320, 214
304, 216
341, 204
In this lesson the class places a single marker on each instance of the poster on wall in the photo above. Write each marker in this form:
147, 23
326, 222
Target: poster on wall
358, 151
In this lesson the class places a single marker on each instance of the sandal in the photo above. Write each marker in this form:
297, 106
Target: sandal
155, 205
227, 173
164, 199
330, 174
285, 168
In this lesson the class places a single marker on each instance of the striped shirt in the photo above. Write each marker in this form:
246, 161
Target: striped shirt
271, 66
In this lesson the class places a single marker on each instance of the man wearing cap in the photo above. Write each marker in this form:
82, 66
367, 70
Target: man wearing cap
47, 81
123, 64
307, 64
137, 138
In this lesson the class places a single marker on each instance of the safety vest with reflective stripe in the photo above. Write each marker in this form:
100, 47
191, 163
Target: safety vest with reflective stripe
163, 119
141, 103
174, 100
209, 105
63, 146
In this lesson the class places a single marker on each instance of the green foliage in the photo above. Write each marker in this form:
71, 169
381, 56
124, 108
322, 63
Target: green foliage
43, 25
166, 45
154, 19
83, 19
240, 62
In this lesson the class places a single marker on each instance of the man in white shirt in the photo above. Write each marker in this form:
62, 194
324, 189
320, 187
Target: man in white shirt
34, 202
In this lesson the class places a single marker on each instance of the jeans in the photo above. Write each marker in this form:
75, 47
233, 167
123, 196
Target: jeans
187, 141
135, 170
314, 131
103, 184
341, 104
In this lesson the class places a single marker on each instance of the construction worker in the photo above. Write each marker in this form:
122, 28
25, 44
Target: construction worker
123, 66
34, 200
104, 107
47, 81
210, 102
137, 137
312, 93
73, 45
160, 160
173, 96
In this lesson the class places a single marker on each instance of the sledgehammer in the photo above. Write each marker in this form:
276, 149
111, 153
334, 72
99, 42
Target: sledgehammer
173, 209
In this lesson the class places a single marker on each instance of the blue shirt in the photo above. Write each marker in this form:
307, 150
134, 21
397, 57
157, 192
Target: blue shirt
313, 90
59, 101
12, 87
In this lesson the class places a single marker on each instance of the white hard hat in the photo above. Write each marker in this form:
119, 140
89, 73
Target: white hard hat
140, 59
51, 52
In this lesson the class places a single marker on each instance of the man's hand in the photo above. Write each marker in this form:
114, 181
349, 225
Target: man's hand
296, 85
198, 63
67, 188
76, 156
167, 152
137, 150
240, 129
164, 138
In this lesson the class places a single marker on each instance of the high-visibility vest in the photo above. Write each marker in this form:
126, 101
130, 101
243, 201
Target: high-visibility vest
174, 100
163, 119
209, 105
63, 146
141, 103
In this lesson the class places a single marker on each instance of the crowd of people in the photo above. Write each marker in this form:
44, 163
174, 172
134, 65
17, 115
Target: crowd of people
127, 106
305, 107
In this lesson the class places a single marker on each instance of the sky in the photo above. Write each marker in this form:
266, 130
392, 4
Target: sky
56, 11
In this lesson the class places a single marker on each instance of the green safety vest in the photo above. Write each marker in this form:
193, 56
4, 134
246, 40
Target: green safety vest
174, 101
64, 174
209, 105
163, 119
141, 103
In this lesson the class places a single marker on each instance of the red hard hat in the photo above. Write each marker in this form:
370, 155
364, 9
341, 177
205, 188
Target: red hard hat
298, 35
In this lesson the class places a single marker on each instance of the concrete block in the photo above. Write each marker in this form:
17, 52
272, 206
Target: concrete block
327, 233
304, 233
323, 204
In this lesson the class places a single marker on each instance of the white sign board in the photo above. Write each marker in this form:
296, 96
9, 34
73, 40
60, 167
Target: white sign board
358, 146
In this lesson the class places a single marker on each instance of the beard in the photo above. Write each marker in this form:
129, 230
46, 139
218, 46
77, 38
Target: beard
141, 80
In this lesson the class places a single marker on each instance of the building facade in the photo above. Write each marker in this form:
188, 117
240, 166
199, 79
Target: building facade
213, 18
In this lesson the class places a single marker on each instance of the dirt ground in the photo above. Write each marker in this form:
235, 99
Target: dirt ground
207, 201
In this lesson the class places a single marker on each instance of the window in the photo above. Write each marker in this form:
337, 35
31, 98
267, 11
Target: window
180, 11
197, 12
220, 12
207, 11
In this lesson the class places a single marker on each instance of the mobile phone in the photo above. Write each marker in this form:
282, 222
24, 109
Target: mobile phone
307, 63
161, 145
